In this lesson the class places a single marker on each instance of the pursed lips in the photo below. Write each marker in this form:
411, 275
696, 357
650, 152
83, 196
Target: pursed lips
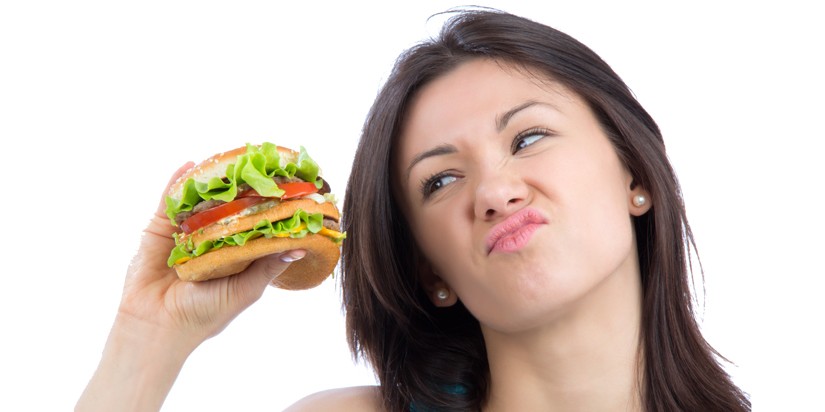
514, 231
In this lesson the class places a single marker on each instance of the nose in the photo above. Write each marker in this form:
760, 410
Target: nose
499, 195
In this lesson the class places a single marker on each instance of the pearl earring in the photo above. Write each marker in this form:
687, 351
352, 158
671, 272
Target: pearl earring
442, 294
639, 200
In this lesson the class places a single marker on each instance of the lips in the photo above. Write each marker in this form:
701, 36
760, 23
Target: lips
514, 232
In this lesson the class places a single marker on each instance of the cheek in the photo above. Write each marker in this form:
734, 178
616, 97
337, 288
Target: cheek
591, 178
442, 236
600, 211
585, 186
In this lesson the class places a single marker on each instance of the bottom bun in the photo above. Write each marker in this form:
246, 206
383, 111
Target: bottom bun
319, 262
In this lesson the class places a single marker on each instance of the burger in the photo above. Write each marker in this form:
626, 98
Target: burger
238, 206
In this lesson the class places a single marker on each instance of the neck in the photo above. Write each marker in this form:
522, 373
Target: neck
587, 358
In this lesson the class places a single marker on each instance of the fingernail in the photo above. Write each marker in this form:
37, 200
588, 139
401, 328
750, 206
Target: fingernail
293, 255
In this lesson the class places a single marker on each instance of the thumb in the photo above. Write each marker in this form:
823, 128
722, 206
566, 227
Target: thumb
253, 281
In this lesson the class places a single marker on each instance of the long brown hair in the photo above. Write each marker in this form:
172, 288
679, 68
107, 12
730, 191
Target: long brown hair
435, 358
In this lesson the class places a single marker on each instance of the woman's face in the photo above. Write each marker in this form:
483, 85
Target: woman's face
514, 194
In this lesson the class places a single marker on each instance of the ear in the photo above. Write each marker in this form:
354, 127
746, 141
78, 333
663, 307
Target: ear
440, 293
639, 200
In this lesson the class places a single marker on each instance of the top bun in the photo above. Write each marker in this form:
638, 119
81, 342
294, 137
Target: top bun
216, 165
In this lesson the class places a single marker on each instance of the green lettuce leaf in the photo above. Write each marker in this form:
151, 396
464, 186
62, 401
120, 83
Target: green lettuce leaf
307, 168
256, 167
180, 251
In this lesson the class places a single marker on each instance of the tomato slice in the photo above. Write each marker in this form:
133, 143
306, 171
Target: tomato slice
209, 216
297, 189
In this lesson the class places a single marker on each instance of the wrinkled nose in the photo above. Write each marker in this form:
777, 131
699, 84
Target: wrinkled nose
499, 195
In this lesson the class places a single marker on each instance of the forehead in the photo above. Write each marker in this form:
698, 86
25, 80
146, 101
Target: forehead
481, 79
470, 97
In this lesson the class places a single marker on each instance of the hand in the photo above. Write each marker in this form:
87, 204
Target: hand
153, 293
161, 319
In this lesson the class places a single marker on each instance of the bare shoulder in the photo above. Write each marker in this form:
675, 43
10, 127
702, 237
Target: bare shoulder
356, 398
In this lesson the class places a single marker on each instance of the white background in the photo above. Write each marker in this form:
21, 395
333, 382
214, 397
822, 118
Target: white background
101, 101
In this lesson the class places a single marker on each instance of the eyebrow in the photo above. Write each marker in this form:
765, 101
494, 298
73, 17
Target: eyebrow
502, 121
439, 150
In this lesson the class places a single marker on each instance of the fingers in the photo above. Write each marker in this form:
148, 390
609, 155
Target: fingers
157, 242
292, 256
178, 173
252, 283
159, 225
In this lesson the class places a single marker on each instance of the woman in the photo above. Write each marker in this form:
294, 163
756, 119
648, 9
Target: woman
525, 246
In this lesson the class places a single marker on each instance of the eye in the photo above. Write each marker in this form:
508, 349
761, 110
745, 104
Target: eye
527, 138
435, 182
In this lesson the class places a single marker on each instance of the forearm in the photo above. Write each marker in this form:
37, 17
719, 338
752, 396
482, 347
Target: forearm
137, 369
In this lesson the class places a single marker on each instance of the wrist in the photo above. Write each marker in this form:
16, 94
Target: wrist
140, 363
131, 333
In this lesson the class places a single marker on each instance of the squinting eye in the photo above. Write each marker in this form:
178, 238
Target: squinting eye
436, 182
527, 138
